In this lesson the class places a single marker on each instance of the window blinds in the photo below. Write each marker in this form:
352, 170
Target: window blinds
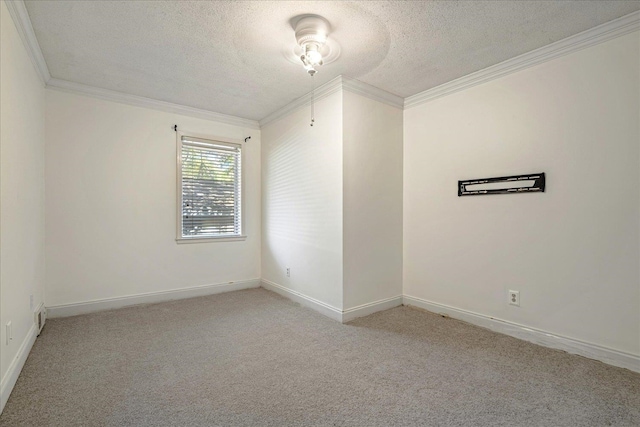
211, 188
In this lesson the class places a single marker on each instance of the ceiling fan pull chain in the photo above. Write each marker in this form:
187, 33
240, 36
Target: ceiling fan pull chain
312, 100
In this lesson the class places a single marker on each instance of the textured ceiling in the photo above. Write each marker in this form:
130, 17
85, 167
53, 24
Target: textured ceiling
230, 56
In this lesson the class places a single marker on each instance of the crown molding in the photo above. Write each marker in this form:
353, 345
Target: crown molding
329, 88
140, 101
607, 31
20, 16
601, 33
372, 92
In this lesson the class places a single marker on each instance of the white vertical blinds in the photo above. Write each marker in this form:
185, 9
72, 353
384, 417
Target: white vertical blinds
211, 188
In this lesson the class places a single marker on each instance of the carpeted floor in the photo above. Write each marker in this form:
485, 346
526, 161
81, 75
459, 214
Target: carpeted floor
253, 358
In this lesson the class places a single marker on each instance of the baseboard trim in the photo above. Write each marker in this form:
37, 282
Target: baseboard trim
314, 304
328, 310
74, 309
370, 308
11, 377
536, 336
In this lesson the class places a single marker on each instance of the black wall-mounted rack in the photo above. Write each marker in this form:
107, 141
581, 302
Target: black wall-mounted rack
502, 185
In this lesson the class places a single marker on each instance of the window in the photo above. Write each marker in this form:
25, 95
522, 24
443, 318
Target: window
210, 189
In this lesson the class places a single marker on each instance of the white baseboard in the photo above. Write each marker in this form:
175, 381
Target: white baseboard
317, 305
66, 310
370, 308
536, 336
330, 311
10, 378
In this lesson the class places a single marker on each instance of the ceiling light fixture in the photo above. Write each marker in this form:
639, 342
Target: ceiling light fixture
312, 32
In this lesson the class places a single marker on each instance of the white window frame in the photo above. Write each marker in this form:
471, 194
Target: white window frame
203, 239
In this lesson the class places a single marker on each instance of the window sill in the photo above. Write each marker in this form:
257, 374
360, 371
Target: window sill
182, 240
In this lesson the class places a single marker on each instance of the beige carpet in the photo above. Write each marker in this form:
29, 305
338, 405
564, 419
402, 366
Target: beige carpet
252, 358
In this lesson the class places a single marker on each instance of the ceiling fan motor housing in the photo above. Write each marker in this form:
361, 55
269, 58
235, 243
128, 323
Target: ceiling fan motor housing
312, 29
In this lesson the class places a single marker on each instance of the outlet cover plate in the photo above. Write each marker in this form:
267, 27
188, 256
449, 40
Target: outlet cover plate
514, 298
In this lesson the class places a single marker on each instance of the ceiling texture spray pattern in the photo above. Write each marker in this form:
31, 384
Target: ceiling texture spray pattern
230, 57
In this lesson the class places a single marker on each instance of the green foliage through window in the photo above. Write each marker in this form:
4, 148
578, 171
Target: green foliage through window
210, 189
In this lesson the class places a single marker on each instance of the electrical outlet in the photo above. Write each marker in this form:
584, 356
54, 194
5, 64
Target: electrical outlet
514, 298
288, 272
9, 333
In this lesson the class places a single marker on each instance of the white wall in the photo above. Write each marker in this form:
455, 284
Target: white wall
572, 252
302, 201
372, 170
111, 203
22, 196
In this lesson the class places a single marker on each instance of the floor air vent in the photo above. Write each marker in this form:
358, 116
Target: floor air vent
40, 317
